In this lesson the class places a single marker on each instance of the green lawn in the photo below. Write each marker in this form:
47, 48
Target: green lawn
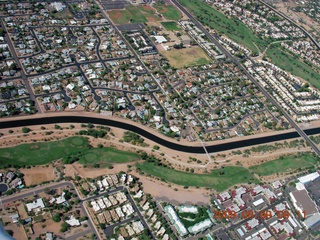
171, 26
136, 15
293, 65
107, 155
231, 27
168, 11
285, 164
45, 152
230, 176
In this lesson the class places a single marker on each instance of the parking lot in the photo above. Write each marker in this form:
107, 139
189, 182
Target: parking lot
314, 190
131, 27
114, 4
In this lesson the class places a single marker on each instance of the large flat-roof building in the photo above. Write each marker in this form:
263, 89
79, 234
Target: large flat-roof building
303, 203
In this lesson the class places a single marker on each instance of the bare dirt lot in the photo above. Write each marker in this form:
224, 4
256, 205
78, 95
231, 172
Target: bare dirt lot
174, 194
49, 226
185, 57
18, 231
39, 174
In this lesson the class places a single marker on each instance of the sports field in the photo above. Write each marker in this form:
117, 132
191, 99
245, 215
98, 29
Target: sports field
186, 57
168, 11
44, 152
134, 14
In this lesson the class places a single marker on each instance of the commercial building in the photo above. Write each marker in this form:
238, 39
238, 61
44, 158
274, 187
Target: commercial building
303, 203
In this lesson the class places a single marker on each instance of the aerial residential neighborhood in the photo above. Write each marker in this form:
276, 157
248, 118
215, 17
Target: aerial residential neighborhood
159, 119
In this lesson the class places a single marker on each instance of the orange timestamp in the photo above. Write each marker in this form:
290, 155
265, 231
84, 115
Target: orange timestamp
250, 214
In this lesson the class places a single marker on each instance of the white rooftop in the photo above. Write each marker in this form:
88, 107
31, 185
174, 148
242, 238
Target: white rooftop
35, 204
308, 178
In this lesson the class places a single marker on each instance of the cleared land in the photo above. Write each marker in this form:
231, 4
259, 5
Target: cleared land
293, 65
45, 152
170, 26
286, 164
168, 11
186, 57
231, 27
37, 175
220, 179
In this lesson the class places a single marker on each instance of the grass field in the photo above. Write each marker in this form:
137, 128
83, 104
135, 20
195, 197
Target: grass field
231, 27
119, 16
137, 14
293, 65
170, 26
107, 155
45, 152
169, 12
215, 180
285, 164
186, 57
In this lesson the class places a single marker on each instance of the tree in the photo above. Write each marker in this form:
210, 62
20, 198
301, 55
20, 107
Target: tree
64, 227
10, 232
47, 191
26, 130
102, 226
77, 177
21, 221
57, 218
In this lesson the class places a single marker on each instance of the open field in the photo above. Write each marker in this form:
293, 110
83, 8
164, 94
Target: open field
285, 164
170, 26
231, 27
293, 65
65, 14
219, 179
119, 16
186, 57
168, 11
107, 155
137, 14
38, 175
45, 152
